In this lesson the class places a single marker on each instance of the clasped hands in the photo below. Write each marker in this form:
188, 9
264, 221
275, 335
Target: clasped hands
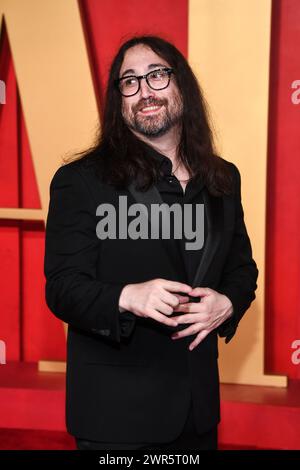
158, 299
204, 316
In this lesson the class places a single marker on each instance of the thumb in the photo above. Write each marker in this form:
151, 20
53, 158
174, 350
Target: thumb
203, 291
182, 298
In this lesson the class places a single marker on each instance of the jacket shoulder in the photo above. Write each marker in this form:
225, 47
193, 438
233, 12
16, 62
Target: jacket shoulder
73, 171
234, 169
235, 173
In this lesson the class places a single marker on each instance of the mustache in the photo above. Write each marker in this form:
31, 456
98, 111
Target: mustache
149, 102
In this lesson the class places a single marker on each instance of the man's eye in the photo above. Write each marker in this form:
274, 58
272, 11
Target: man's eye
131, 81
158, 75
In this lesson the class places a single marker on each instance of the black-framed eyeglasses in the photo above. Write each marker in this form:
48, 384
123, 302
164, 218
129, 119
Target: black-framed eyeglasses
157, 79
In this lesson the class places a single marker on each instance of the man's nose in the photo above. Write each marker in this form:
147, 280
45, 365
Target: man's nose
145, 90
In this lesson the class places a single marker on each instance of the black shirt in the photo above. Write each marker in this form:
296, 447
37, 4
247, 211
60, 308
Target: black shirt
172, 192
184, 261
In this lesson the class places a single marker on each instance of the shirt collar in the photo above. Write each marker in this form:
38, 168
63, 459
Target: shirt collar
164, 162
165, 165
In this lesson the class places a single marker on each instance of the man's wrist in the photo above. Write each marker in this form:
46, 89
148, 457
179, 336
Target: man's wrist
123, 304
230, 308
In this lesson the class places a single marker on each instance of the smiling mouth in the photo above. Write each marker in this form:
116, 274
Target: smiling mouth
150, 109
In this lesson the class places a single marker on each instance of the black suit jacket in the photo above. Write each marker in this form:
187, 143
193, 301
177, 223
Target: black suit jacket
127, 380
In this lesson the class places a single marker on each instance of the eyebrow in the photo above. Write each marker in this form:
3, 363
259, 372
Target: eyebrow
132, 71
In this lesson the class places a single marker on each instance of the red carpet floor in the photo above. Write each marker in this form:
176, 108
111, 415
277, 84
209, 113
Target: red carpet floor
34, 413
22, 439
32, 439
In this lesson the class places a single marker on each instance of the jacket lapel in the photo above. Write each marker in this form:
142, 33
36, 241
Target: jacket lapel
213, 207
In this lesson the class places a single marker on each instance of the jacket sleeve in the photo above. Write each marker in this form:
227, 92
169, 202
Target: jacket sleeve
239, 276
73, 292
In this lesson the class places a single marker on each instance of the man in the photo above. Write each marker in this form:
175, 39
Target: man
144, 312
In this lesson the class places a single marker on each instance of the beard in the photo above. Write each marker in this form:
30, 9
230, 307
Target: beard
157, 124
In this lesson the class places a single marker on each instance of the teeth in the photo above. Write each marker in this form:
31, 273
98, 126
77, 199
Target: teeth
150, 108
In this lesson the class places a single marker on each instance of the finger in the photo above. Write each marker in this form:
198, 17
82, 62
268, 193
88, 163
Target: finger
203, 291
163, 307
174, 299
157, 316
168, 298
191, 330
200, 337
187, 319
174, 286
182, 298
190, 307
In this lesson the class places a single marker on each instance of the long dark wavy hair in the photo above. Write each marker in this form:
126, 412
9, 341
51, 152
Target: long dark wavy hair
120, 156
